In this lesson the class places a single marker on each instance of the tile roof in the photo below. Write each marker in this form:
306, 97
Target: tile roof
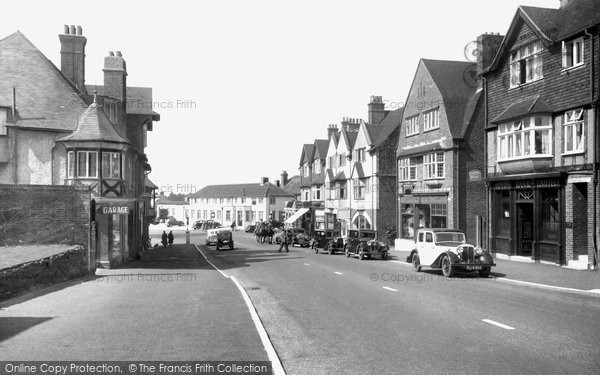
390, 123
149, 184
456, 90
308, 150
240, 190
351, 139
358, 171
93, 125
341, 176
45, 98
293, 185
166, 201
321, 146
529, 106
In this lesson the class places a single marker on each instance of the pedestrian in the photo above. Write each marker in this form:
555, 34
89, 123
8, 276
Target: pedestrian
284, 241
164, 239
233, 226
171, 238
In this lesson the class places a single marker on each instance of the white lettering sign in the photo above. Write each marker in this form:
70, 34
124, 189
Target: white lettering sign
115, 210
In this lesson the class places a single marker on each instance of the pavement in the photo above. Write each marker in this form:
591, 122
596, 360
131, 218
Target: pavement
544, 275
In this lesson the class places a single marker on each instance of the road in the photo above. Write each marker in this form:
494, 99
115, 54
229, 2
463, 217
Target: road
332, 314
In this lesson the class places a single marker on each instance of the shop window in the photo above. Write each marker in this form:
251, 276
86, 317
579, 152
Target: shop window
503, 214
573, 132
111, 165
438, 216
550, 215
87, 164
361, 222
408, 220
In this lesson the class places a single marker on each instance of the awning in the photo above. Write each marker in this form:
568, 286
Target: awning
296, 216
527, 107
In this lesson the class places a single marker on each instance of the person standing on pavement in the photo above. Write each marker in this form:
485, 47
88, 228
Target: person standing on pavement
164, 239
171, 238
284, 241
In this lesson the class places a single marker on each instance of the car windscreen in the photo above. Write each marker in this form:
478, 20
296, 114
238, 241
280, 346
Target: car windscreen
368, 235
442, 237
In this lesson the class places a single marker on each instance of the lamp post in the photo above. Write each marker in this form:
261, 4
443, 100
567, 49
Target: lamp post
187, 229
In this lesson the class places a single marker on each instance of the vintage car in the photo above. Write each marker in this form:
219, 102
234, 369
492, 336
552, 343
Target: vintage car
221, 237
329, 240
298, 236
250, 228
364, 244
211, 237
175, 223
446, 249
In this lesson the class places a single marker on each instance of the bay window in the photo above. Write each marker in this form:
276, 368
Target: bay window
87, 164
525, 138
573, 132
433, 165
526, 64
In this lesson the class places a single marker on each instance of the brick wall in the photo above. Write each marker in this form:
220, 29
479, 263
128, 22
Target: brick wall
387, 213
56, 268
44, 214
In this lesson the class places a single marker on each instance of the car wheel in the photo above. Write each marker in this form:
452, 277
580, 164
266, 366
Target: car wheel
416, 262
218, 247
447, 268
317, 249
329, 249
485, 273
361, 255
346, 251
384, 256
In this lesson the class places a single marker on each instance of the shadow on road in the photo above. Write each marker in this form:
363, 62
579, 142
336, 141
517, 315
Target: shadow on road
11, 326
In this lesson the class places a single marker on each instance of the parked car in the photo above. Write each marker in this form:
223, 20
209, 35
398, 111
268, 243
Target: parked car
211, 237
198, 224
250, 228
329, 240
446, 249
224, 238
364, 244
175, 223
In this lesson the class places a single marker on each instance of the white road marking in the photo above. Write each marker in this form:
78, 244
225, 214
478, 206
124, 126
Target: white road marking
306, 264
209, 262
268, 253
264, 337
545, 286
401, 262
338, 273
390, 289
489, 321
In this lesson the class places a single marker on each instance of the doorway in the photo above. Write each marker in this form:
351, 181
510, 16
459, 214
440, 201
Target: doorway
525, 229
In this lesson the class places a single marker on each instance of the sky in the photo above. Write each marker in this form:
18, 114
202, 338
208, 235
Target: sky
241, 85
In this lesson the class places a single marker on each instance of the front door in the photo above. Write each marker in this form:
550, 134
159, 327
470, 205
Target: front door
525, 229
239, 218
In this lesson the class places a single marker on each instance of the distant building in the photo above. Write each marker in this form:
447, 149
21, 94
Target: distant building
240, 203
177, 209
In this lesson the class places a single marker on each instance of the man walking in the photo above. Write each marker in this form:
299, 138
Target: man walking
284, 241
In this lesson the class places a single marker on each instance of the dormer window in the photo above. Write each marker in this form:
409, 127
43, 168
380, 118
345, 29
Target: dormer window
572, 53
526, 65
111, 165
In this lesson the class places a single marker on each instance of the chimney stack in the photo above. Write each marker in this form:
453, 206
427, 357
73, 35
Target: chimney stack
487, 47
115, 77
376, 110
331, 129
284, 178
264, 181
72, 55
564, 3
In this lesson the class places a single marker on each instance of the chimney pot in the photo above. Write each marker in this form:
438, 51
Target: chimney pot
119, 54
66, 29
79, 30
111, 53
72, 32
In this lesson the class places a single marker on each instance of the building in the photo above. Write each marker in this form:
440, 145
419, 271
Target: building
240, 203
542, 86
291, 185
440, 154
177, 209
54, 132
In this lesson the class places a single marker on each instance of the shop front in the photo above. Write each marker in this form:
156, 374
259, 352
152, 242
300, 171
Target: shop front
115, 228
426, 211
527, 218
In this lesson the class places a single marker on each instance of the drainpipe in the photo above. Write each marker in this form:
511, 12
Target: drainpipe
488, 230
595, 149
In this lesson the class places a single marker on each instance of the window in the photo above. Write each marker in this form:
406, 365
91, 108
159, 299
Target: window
361, 222
110, 108
503, 223
341, 160
428, 237
550, 215
111, 165
272, 200
306, 195
87, 164
433, 165
3, 117
526, 65
70, 164
331, 191
227, 215
243, 200
572, 53
261, 215
316, 193
412, 125
219, 215
407, 169
144, 135
431, 120
305, 170
341, 190
360, 188
332, 161
358, 155
573, 132
438, 216
204, 215
317, 166
260, 200
525, 138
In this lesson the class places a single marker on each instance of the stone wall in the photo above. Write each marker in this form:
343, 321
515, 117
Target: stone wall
44, 214
56, 268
